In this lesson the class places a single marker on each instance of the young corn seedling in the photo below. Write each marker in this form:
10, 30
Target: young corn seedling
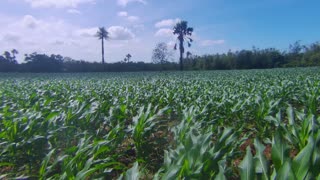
143, 125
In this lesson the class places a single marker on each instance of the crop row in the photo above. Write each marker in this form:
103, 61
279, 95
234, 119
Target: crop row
258, 124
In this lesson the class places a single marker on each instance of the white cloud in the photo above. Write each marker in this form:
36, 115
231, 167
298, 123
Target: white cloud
58, 42
120, 33
167, 23
138, 27
133, 18
29, 22
73, 11
164, 32
212, 42
122, 14
124, 3
57, 3
86, 32
11, 37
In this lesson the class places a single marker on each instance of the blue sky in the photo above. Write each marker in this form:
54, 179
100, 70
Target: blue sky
67, 27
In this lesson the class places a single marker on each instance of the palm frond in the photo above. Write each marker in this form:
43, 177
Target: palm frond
102, 33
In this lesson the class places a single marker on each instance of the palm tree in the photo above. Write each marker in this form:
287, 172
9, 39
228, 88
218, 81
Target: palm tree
14, 52
102, 34
128, 56
184, 32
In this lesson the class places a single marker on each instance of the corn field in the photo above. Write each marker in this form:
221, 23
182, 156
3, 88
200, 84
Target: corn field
252, 124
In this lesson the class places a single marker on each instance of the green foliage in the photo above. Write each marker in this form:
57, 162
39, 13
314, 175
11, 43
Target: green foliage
193, 155
192, 125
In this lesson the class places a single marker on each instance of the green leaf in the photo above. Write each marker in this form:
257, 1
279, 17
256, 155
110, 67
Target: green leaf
52, 115
220, 175
285, 172
86, 171
6, 164
279, 151
290, 114
43, 168
133, 173
171, 173
260, 160
302, 162
85, 174
247, 166
316, 156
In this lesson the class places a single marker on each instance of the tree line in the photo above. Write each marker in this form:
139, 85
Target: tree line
36, 62
297, 56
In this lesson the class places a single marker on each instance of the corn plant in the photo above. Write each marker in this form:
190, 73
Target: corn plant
250, 124
303, 166
194, 155
143, 125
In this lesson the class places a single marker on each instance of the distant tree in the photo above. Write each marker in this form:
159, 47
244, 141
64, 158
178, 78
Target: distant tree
102, 35
189, 54
8, 62
14, 52
189, 61
2, 60
183, 32
7, 55
296, 47
43, 63
312, 55
127, 58
161, 54
295, 55
3, 64
11, 58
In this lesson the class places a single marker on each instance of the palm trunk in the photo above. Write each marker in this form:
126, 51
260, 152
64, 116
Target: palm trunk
181, 54
102, 51
181, 65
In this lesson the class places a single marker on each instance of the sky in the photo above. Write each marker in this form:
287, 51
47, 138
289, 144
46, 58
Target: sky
67, 27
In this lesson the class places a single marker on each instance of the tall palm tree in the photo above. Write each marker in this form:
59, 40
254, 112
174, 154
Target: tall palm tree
184, 34
102, 34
